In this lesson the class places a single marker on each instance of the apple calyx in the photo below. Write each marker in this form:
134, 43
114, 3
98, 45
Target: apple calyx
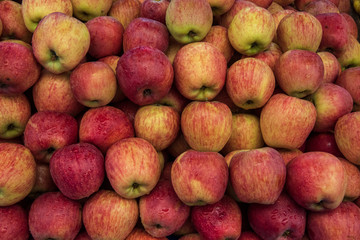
5, 85
147, 92
10, 131
53, 56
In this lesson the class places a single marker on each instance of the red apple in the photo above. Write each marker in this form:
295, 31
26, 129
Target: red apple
44, 181
218, 35
350, 80
249, 235
270, 55
82, 236
154, 9
352, 191
14, 223
352, 25
323, 142
332, 68
349, 56
140, 233
125, 11
174, 99
128, 107
289, 154
178, 146
317, 7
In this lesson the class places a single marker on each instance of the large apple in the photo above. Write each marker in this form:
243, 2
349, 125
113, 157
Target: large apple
14, 222
350, 80
60, 42
125, 11
89, 9
207, 125
189, 20
154, 9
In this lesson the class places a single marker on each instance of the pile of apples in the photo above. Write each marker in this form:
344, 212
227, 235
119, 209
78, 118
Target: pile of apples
186, 119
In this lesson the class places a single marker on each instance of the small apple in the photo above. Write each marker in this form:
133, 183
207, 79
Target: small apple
90, 9
219, 7
324, 142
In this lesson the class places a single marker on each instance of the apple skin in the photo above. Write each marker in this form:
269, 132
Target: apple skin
133, 167
220, 7
14, 223
250, 83
128, 107
339, 223
207, 125
125, 11
161, 211
257, 175
103, 126
189, 21
308, 183
283, 219
146, 32
278, 16
252, 30
87, 10
226, 18
299, 30
54, 53
178, 146
352, 191
77, 170
349, 56
323, 142
270, 55
19, 69
346, 136
218, 35
191, 181
52, 215
220, 220
106, 215
332, 68
144, 74
189, 76
140, 233
48, 131
34, 11
191, 236
352, 25
44, 182
15, 111
289, 154
154, 9
317, 7
249, 235
174, 99
349, 79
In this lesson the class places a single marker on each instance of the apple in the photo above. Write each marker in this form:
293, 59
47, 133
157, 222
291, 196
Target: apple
283, 219
146, 32
54, 216
317, 7
299, 30
249, 235
133, 167
323, 142
51, 87
220, 220
339, 223
14, 222
252, 30
154, 9
33, 11
332, 68
15, 111
178, 146
93, 84
219, 7
308, 181
250, 83
82, 236
125, 11
352, 25
278, 16
226, 18
144, 74
44, 182
60, 42
257, 175
161, 211
189, 76
289, 154
346, 135
191, 179
224, 97
13, 22
173, 48
1, 27
189, 20
48, 131
19, 69
274, 7
218, 35
140, 233
286, 121
90, 9
352, 191
349, 79
331, 102
270, 55
107, 215
158, 124
106, 36
128, 107
174, 99
206, 125
191, 236
349, 56
186, 228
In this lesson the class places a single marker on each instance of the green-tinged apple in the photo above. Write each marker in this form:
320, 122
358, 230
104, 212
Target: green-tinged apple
15, 111
349, 56
322, 141
54, 216
93, 84
286, 121
106, 36
174, 99
309, 184
19, 69
331, 102
161, 211
18, 174
14, 223
317, 7
332, 68
347, 134
106, 215
299, 30
352, 191
275, 7
246, 133
34, 10
191, 179
44, 181
269, 56
289, 154
158, 124
350, 80
83, 236
154, 9
342, 222
218, 35
89, 9
103, 126
144, 74
283, 219
250, 83
206, 125
257, 175
125, 11
48, 131
189, 20
190, 78
226, 18
278, 16
13, 22
60, 42
139, 232
252, 30
133, 167
51, 87
219, 7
